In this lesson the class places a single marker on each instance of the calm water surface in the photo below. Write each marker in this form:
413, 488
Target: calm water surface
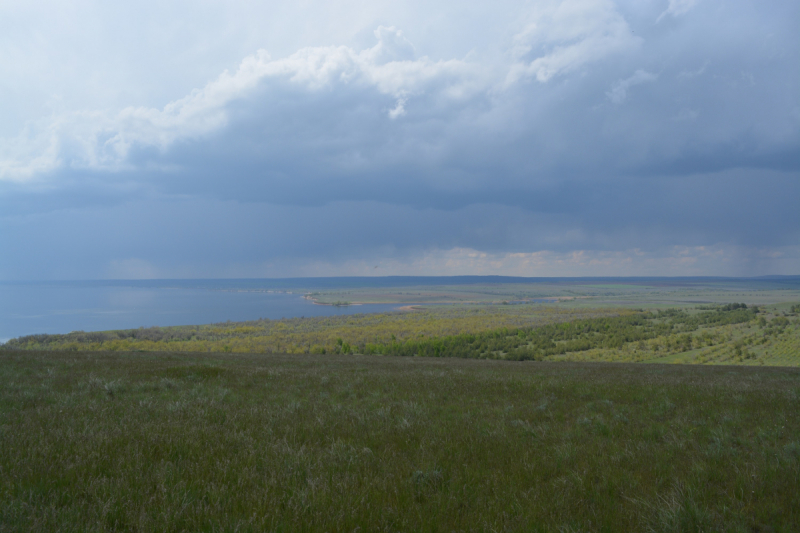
61, 307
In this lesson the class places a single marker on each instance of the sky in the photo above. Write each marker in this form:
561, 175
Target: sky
209, 139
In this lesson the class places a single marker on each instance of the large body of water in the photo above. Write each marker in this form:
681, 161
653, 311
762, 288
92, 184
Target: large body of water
61, 307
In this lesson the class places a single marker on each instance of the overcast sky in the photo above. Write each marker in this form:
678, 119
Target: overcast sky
270, 139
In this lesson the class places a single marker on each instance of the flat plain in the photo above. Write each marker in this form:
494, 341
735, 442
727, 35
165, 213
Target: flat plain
579, 292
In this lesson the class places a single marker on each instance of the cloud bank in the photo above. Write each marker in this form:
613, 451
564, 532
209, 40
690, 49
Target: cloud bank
582, 136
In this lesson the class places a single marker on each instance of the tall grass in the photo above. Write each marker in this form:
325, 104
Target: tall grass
228, 442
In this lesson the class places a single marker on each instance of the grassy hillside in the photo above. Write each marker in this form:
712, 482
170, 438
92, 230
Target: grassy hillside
315, 334
98, 441
709, 334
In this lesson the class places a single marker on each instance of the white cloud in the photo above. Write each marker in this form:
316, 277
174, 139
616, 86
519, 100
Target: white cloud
567, 35
100, 140
399, 110
677, 8
563, 35
29, 154
619, 92
688, 74
392, 46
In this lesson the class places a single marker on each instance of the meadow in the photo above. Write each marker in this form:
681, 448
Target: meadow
633, 409
120, 441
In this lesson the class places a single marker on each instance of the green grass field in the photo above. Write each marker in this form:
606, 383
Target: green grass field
98, 441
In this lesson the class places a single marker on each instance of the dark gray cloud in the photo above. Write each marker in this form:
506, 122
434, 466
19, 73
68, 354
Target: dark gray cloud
634, 129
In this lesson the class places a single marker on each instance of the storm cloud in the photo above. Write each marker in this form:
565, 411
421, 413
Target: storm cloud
585, 137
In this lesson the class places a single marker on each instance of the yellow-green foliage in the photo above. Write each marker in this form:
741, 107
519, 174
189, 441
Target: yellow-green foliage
772, 340
334, 334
